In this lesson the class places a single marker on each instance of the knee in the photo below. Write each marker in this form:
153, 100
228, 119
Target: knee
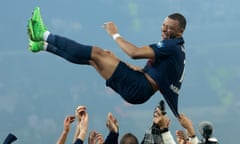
97, 51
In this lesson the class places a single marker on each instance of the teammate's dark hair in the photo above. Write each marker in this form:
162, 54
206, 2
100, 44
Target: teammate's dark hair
129, 138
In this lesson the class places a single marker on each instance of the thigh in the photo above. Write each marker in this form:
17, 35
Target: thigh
105, 62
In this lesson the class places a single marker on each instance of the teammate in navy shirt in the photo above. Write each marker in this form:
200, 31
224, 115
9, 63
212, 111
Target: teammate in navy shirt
163, 71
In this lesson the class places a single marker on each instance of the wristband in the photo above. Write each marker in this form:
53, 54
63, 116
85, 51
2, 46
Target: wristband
115, 36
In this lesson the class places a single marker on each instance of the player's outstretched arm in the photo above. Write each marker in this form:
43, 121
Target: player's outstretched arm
130, 49
66, 128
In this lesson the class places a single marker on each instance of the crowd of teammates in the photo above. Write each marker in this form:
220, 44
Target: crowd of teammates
158, 133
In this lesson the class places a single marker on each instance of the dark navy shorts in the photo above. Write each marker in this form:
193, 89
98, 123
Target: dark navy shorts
132, 85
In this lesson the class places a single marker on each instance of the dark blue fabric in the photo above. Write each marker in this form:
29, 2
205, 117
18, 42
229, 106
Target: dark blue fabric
10, 138
167, 69
78, 141
69, 49
112, 138
131, 85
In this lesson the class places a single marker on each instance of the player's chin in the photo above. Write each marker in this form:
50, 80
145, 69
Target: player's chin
164, 37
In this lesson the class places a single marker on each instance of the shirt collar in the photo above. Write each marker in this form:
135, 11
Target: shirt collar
174, 41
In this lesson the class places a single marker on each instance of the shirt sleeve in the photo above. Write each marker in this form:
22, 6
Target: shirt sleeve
112, 138
168, 138
78, 141
162, 49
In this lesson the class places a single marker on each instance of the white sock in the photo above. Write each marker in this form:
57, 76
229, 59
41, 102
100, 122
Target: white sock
45, 46
45, 35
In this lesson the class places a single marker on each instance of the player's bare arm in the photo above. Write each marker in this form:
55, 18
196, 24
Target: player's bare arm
130, 49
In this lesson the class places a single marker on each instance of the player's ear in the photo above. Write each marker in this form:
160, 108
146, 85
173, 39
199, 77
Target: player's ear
180, 32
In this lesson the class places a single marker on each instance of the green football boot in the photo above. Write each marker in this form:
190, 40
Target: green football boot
36, 46
36, 27
30, 30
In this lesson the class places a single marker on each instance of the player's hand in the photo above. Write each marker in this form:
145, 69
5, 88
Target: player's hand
83, 126
187, 124
80, 110
111, 28
112, 123
95, 138
181, 137
67, 122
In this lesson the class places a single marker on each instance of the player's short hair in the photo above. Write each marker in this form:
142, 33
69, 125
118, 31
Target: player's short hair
129, 138
180, 18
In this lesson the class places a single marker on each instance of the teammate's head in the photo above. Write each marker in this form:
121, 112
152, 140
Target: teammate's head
173, 26
129, 138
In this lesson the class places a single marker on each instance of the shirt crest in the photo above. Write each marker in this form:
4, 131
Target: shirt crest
160, 44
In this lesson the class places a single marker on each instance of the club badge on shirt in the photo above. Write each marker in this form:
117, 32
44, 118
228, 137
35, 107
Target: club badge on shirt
160, 44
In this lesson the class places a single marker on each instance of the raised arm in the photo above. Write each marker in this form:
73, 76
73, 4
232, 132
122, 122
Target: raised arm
82, 124
66, 128
113, 127
188, 125
130, 49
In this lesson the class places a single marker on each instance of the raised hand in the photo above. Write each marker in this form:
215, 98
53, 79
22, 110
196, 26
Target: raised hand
112, 123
